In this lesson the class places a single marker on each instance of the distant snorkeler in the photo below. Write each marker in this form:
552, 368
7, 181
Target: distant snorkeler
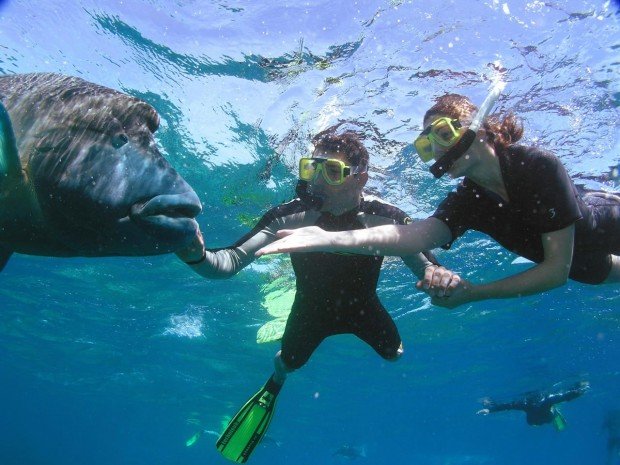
539, 407
519, 195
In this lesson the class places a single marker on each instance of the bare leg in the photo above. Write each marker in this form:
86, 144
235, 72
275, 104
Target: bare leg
280, 369
614, 274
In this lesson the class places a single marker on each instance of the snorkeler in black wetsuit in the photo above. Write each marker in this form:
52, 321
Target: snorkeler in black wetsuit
335, 293
539, 407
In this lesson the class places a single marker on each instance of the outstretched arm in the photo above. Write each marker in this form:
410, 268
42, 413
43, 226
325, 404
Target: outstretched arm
226, 262
550, 273
398, 240
407, 241
215, 264
576, 391
492, 407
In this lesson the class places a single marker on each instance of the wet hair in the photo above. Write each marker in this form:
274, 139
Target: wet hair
346, 142
500, 133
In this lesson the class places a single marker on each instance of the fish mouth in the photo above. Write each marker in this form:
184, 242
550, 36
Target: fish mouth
168, 205
168, 218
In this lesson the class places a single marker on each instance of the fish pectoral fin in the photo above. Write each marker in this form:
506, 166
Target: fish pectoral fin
10, 164
5, 254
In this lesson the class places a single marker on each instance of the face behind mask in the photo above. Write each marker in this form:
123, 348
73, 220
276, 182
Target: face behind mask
306, 195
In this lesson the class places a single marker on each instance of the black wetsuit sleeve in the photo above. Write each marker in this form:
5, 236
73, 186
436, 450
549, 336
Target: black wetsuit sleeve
565, 396
226, 262
514, 405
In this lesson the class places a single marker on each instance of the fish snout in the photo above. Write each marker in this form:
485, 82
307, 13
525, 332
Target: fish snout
186, 205
169, 218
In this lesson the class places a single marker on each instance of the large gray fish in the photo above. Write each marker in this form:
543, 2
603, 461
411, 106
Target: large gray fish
81, 174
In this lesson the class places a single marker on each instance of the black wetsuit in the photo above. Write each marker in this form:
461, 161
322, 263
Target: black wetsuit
543, 199
336, 293
538, 406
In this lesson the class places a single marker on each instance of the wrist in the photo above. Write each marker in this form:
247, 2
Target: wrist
197, 260
475, 292
420, 270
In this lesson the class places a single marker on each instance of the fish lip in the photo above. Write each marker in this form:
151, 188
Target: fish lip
169, 219
174, 206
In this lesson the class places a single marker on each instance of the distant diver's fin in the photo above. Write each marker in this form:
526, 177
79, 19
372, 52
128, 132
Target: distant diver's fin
250, 424
559, 422
9, 157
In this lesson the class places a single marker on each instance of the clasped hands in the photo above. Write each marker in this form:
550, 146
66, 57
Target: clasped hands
446, 288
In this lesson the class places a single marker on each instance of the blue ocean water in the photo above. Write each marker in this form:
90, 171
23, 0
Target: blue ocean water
121, 360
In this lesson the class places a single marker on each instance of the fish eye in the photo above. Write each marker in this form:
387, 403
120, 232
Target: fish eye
119, 140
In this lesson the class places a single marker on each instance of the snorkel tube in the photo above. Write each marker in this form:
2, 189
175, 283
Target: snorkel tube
443, 165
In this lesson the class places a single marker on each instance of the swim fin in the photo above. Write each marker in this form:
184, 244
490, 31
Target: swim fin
558, 419
250, 424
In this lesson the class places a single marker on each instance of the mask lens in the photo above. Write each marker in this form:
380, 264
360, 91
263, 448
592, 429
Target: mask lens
307, 169
423, 146
333, 171
444, 132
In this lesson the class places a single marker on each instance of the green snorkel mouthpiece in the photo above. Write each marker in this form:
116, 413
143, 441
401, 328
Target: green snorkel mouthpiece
443, 165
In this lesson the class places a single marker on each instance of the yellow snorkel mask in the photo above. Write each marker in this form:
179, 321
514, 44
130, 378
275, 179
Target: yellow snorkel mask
448, 132
334, 171
443, 131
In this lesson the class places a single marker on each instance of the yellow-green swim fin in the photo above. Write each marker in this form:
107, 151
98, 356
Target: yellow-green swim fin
559, 422
249, 425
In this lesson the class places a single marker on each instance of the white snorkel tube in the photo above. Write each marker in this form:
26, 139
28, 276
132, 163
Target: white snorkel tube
487, 105
443, 165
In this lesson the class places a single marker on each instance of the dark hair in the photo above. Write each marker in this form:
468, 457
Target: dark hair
346, 142
500, 134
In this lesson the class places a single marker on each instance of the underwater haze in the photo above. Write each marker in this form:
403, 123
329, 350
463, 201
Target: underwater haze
122, 360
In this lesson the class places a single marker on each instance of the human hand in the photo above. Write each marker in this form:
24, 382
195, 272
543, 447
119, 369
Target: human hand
308, 239
462, 294
483, 411
193, 252
438, 281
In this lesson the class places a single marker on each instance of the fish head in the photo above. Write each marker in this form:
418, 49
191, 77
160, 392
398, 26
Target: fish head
103, 183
